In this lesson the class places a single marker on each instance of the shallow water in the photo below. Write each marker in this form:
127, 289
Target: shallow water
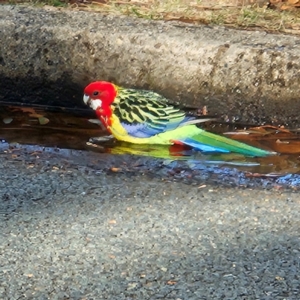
73, 129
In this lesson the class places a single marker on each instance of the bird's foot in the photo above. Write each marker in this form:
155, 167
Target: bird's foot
101, 139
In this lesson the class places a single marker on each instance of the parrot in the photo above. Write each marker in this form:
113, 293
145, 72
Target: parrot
139, 116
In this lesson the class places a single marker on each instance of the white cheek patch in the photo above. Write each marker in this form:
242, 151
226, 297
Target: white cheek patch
95, 104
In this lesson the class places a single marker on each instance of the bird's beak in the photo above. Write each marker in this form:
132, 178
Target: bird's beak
87, 100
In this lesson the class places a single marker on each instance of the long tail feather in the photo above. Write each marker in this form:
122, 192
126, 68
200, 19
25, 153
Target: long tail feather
210, 142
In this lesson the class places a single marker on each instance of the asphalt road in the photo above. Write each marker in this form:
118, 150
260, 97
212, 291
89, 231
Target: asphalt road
72, 231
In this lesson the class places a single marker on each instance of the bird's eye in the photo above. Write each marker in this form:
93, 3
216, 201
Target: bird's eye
96, 93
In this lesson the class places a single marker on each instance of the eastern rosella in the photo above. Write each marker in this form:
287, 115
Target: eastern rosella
145, 117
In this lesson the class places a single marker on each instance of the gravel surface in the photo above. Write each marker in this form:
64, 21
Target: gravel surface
70, 231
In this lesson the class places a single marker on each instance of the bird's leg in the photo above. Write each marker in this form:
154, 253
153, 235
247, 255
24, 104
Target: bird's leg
99, 144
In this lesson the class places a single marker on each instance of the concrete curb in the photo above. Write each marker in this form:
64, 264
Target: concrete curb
48, 56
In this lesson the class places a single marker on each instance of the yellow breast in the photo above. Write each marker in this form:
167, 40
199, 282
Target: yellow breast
120, 133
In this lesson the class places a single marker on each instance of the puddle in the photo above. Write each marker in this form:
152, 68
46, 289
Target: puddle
52, 127
61, 128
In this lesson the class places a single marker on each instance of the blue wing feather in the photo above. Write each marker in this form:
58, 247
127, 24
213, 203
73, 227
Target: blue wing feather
141, 130
202, 147
148, 129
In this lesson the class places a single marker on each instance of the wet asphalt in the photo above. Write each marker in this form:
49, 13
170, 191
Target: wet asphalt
80, 227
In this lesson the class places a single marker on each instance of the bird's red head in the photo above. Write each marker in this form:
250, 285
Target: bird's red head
99, 95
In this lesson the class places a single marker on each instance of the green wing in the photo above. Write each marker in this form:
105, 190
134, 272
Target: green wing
145, 113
